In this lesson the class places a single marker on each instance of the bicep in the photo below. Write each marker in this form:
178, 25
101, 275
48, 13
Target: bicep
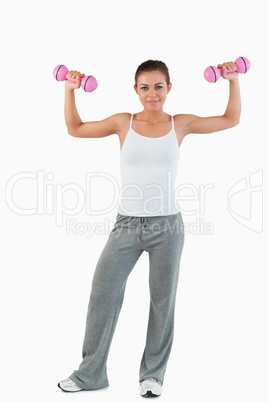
98, 129
205, 125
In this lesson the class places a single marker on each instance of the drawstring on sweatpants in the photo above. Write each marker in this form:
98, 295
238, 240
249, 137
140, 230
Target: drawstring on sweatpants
142, 224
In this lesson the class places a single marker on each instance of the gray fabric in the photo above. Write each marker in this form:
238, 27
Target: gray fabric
163, 238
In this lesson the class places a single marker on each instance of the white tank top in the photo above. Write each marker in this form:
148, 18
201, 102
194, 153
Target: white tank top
148, 174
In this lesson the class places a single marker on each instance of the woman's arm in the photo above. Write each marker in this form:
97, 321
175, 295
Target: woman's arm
72, 118
231, 117
75, 126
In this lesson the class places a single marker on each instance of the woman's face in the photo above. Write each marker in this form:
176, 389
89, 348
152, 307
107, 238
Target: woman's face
152, 89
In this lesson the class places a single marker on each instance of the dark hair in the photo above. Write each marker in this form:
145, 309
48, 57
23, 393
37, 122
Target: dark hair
152, 65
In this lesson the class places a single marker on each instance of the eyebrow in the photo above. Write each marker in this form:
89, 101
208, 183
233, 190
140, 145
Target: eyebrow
147, 85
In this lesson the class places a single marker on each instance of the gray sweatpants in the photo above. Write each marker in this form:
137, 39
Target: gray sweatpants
163, 238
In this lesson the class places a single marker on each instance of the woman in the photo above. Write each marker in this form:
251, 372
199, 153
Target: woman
148, 219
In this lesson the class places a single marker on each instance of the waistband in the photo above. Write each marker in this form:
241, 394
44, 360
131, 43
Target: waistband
141, 222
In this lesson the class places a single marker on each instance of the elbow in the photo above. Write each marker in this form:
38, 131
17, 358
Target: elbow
233, 122
71, 132
236, 122
74, 131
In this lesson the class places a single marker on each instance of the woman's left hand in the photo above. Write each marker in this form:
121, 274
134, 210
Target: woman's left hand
230, 65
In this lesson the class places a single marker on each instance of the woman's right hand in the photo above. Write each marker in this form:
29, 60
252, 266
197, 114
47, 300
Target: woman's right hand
75, 75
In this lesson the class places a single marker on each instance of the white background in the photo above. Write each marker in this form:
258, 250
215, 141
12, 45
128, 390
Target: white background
220, 348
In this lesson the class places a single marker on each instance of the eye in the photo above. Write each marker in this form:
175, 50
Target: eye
158, 87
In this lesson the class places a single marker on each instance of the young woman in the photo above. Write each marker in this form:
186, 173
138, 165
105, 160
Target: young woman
148, 219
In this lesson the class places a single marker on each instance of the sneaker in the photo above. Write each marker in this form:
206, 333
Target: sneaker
150, 387
69, 386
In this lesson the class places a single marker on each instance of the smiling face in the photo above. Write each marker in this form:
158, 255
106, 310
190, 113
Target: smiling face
152, 89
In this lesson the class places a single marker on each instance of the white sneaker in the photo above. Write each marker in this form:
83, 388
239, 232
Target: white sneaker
150, 387
68, 385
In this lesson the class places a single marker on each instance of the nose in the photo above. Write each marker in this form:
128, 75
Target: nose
151, 92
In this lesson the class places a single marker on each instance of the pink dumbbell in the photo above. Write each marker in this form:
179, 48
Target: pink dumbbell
88, 83
212, 74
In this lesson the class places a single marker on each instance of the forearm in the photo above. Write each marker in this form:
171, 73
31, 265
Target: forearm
233, 109
72, 118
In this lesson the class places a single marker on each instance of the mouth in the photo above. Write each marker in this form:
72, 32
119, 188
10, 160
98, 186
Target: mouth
153, 101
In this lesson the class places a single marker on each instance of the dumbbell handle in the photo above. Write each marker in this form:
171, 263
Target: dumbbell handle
228, 71
73, 79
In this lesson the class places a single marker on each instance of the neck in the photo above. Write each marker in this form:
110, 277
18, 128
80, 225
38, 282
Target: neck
153, 116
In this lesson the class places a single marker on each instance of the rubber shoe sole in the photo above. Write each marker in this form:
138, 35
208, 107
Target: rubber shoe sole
150, 388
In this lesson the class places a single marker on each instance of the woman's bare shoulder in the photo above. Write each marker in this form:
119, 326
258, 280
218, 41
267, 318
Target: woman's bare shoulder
181, 117
122, 120
122, 117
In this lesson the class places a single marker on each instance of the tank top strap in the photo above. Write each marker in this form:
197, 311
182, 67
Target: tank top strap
131, 121
172, 122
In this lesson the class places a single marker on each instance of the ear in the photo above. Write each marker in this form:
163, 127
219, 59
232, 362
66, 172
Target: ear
136, 90
169, 87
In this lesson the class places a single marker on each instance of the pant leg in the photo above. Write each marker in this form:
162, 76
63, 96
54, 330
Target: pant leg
164, 258
116, 261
